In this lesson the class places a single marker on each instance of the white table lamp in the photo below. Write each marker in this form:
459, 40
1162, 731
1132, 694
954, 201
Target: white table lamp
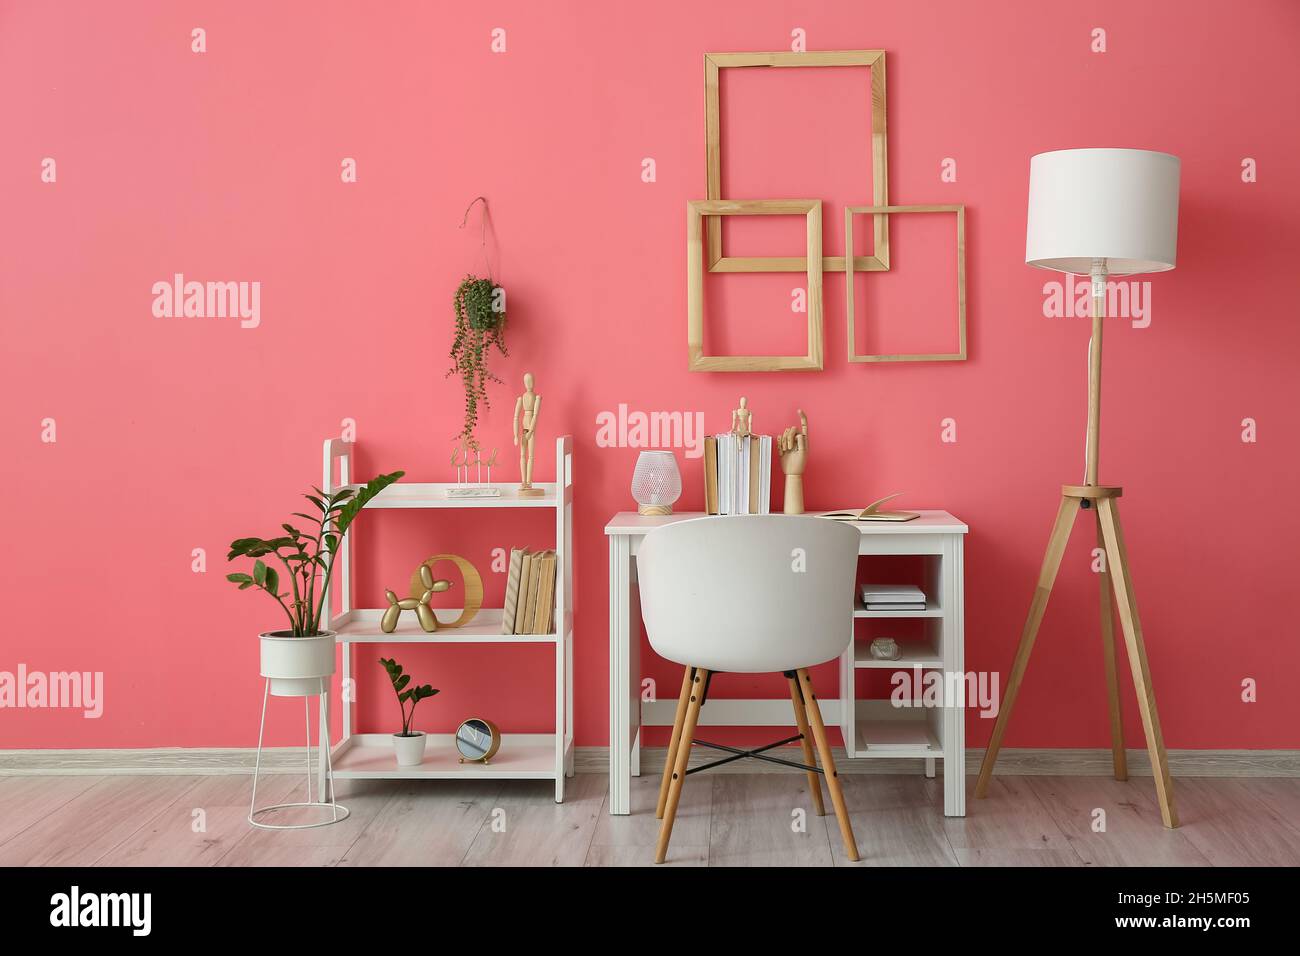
1099, 212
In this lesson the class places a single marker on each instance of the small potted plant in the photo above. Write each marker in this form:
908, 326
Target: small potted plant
479, 307
298, 658
409, 744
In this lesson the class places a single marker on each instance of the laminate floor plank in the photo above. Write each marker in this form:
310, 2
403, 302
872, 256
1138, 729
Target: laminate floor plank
528, 828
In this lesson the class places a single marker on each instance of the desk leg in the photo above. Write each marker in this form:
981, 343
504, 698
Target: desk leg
624, 687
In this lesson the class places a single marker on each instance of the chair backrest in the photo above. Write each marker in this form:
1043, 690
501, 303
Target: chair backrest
750, 594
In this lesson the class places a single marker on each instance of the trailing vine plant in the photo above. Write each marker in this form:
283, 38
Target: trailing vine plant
480, 313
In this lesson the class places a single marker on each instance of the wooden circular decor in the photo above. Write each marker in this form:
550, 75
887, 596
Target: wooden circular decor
473, 586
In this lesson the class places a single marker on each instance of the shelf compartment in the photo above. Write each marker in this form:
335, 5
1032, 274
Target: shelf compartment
361, 626
521, 757
914, 654
932, 609
416, 494
882, 730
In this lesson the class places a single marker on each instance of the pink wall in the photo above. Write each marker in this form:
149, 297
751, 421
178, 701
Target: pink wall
175, 434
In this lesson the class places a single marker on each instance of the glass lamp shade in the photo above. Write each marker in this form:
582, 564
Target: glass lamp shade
656, 482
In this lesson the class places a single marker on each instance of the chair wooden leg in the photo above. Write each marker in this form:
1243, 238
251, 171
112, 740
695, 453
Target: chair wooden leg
1117, 556
828, 764
671, 760
1037, 607
1118, 757
801, 721
683, 757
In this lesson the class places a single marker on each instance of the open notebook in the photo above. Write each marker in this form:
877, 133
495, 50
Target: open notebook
872, 512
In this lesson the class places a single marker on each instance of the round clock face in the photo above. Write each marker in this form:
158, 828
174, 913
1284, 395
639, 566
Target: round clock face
474, 739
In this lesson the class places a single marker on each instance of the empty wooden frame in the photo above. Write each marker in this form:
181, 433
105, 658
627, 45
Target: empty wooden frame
696, 212
884, 212
878, 261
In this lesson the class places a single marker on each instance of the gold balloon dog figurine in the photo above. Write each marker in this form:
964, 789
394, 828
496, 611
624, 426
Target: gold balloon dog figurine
419, 605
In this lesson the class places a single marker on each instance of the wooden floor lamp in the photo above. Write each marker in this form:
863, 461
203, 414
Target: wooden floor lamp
1099, 212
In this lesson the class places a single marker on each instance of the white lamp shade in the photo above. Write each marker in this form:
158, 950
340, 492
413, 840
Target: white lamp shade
1120, 205
656, 482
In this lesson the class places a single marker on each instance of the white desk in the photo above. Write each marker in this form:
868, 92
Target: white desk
871, 728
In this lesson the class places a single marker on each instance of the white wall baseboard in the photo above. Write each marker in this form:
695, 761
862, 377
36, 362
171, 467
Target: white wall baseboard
1182, 763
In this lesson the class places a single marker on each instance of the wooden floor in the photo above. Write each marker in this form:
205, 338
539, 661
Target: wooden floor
724, 820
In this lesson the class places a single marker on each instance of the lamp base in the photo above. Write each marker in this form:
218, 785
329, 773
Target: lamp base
1114, 576
654, 510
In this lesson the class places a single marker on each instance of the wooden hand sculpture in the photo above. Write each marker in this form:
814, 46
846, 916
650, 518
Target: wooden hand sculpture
793, 448
424, 613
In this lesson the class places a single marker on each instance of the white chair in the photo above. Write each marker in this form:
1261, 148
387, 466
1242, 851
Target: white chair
750, 594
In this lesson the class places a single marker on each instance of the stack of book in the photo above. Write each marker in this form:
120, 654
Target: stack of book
893, 597
738, 474
530, 593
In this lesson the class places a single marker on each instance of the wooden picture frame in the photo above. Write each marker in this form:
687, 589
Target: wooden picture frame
884, 212
696, 212
878, 261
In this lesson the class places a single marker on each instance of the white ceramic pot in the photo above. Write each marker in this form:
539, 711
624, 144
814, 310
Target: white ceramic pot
297, 666
410, 750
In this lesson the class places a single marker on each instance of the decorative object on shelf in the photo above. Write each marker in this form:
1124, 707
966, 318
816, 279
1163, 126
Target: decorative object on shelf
874, 60
880, 212
656, 482
1099, 212
885, 649
463, 488
872, 512
409, 744
296, 660
477, 740
473, 588
696, 211
425, 615
741, 419
527, 407
793, 449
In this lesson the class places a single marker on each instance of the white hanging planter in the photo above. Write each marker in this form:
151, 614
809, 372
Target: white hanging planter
410, 748
297, 666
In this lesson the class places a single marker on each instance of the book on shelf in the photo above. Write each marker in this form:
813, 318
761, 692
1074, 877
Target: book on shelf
872, 512
534, 590
521, 604
895, 607
511, 606
738, 474
892, 594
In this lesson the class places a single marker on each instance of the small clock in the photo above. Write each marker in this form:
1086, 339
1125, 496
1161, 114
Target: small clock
478, 740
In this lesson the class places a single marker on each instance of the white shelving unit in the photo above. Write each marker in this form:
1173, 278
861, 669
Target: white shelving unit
522, 756
872, 726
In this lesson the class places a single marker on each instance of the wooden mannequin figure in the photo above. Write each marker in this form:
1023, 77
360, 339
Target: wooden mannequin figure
527, 408
741, 419
793, 447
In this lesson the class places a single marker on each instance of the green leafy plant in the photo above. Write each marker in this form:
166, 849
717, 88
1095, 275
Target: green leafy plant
405, 695
479, 306
305, 555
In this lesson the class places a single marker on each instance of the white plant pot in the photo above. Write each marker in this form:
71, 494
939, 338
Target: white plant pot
297, 666
410, 750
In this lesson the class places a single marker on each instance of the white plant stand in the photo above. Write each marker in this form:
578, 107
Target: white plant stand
337, 813
547, 756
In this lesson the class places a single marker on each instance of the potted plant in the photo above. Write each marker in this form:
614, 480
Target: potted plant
480, 314
409, 744
298, 658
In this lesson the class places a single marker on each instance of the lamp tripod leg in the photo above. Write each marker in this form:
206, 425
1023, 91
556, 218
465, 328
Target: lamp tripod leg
1118, 758
1117, 558
1037, 607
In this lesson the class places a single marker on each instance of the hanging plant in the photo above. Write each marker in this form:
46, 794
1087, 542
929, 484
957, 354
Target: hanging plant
480, 324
